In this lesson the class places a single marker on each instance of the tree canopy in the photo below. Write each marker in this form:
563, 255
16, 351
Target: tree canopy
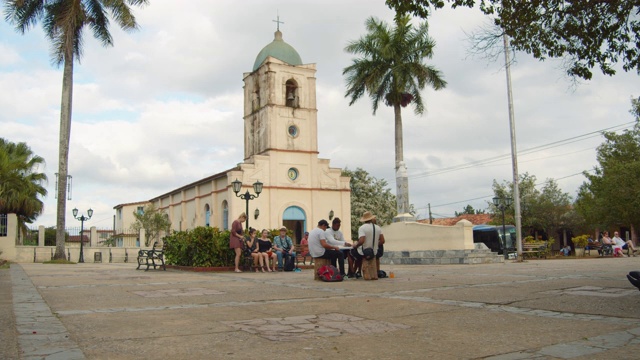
152, 221
586, 34
611, 194
390, 68
469, 210
548, 209
21, 183
369, 194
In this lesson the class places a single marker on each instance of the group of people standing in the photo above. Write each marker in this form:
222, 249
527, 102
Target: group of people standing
323, 241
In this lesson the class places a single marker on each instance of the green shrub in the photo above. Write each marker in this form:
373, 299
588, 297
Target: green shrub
580, 241
200, 247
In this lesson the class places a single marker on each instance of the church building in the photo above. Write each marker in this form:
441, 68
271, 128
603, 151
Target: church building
280, 152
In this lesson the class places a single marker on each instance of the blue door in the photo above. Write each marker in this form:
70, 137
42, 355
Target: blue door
295, 219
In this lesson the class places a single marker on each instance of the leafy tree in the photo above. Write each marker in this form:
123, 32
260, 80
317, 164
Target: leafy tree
548, 209
553, 208
21, 185
63, 22
611, 195
370, 194
584, 33
469, 210
528, 194
152, 221
391, 69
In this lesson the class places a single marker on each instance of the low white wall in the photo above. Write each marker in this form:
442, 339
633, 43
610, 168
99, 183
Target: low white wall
413, 236
29, 254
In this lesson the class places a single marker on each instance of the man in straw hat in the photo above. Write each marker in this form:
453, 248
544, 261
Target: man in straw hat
366, 238
284, 247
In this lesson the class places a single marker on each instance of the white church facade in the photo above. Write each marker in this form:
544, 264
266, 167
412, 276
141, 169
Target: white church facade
280, 151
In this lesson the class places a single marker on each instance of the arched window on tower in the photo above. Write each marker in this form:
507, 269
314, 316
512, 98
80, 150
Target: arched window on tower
292, 96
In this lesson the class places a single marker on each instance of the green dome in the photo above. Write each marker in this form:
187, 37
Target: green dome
279, 50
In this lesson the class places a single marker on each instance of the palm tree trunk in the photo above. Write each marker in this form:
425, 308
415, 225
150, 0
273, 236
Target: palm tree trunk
63, 152
402, 181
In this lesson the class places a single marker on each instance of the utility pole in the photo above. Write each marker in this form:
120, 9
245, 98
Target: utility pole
430, 217
514, 153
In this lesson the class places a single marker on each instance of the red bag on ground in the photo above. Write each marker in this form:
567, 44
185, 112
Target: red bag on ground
329, 273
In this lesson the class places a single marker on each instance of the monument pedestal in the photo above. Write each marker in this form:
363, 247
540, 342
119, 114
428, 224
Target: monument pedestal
406, 217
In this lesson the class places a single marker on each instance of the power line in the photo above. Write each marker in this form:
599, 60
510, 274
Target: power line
486, 196
522, 152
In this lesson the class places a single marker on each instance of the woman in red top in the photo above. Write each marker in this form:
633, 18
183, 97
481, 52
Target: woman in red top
237, 237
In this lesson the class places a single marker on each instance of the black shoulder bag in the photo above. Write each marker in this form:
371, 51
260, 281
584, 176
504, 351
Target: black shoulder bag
368, 252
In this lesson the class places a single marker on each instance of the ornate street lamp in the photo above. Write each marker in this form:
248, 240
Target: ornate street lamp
82, 219
502, 204
257, 188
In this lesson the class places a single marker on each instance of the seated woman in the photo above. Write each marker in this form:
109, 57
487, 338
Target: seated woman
251, 245
264, 249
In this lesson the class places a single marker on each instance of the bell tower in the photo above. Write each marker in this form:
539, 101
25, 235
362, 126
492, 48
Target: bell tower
280, 111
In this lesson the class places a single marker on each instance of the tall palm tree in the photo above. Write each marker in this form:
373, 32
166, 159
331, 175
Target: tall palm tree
63, 22
21, 184
390, 68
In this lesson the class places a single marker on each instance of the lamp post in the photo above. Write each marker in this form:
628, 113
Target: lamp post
257, 188
82, 219
502, 204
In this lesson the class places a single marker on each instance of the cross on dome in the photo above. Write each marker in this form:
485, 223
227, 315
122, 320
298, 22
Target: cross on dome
278, 22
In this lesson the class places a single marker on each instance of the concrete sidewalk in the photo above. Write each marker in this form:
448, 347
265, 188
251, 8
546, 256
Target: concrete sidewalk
540, 309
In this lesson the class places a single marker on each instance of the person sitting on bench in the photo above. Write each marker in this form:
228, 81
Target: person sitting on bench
320, 248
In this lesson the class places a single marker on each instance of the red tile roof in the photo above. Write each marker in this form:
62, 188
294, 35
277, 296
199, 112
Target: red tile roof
475, 219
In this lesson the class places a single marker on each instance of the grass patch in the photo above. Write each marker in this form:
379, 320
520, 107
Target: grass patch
4, 264
59, 261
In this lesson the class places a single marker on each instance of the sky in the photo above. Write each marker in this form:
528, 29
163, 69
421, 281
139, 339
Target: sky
163, 107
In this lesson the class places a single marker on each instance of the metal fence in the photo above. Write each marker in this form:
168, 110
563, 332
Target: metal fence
104, 237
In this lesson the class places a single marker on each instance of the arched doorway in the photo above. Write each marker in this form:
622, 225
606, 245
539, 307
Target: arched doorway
295, 219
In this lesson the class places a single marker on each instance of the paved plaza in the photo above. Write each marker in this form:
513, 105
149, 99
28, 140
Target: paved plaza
539, 309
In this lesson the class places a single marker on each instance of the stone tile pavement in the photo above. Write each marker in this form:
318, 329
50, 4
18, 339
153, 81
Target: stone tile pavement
539, 309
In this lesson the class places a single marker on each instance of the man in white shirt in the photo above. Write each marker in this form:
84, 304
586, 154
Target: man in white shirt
623, 245
369, 236
335, 237
320, 248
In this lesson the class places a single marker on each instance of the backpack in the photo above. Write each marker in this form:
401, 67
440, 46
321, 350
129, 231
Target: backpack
329, 273
289, 263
